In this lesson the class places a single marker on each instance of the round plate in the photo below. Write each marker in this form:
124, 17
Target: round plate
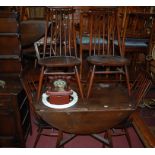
71, 103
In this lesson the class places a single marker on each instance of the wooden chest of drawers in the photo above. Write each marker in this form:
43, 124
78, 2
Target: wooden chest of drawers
15, 123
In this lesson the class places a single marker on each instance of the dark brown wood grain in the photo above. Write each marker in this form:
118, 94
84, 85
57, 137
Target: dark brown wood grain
31, 31
147, 137
105, 109
14, 113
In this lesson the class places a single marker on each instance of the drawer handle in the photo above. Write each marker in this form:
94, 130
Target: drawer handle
2, 83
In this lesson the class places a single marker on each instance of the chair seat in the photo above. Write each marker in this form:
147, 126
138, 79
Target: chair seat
134, 42
86, 40
107, 60
60, 61
131, 42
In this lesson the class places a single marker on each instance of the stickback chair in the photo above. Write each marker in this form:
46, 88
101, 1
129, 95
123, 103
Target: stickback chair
103, 57
30, 88
60, 55
139, 89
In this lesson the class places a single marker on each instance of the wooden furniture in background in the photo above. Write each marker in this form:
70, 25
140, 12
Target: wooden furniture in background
138, 35
32, 24
14, 111
31, 31
15, 122
151, 55
32, 12
10, 45
145, 131
32, 20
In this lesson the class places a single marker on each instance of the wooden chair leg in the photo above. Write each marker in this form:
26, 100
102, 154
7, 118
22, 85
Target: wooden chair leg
38, 137
40, 83
30, 126
109, 136
89, 75
104, 140
80, 71
127, 80
91, 82
79, 82
59, 138
127, 137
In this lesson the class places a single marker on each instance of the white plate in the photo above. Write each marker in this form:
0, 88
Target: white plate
61, 106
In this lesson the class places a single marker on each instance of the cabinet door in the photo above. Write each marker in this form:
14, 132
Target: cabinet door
7, 123
15, 121
7, 129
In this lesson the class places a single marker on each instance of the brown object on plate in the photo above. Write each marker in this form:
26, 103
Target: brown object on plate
62, 97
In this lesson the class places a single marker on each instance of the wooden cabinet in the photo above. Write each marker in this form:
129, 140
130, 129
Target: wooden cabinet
15, 123
14, 111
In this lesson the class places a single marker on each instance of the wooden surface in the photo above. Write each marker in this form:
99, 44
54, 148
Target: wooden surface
105, 109
15, 123
31, 31
144, 131
10, 49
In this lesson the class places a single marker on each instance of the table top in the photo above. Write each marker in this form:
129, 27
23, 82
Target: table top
108, 106
105, 97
